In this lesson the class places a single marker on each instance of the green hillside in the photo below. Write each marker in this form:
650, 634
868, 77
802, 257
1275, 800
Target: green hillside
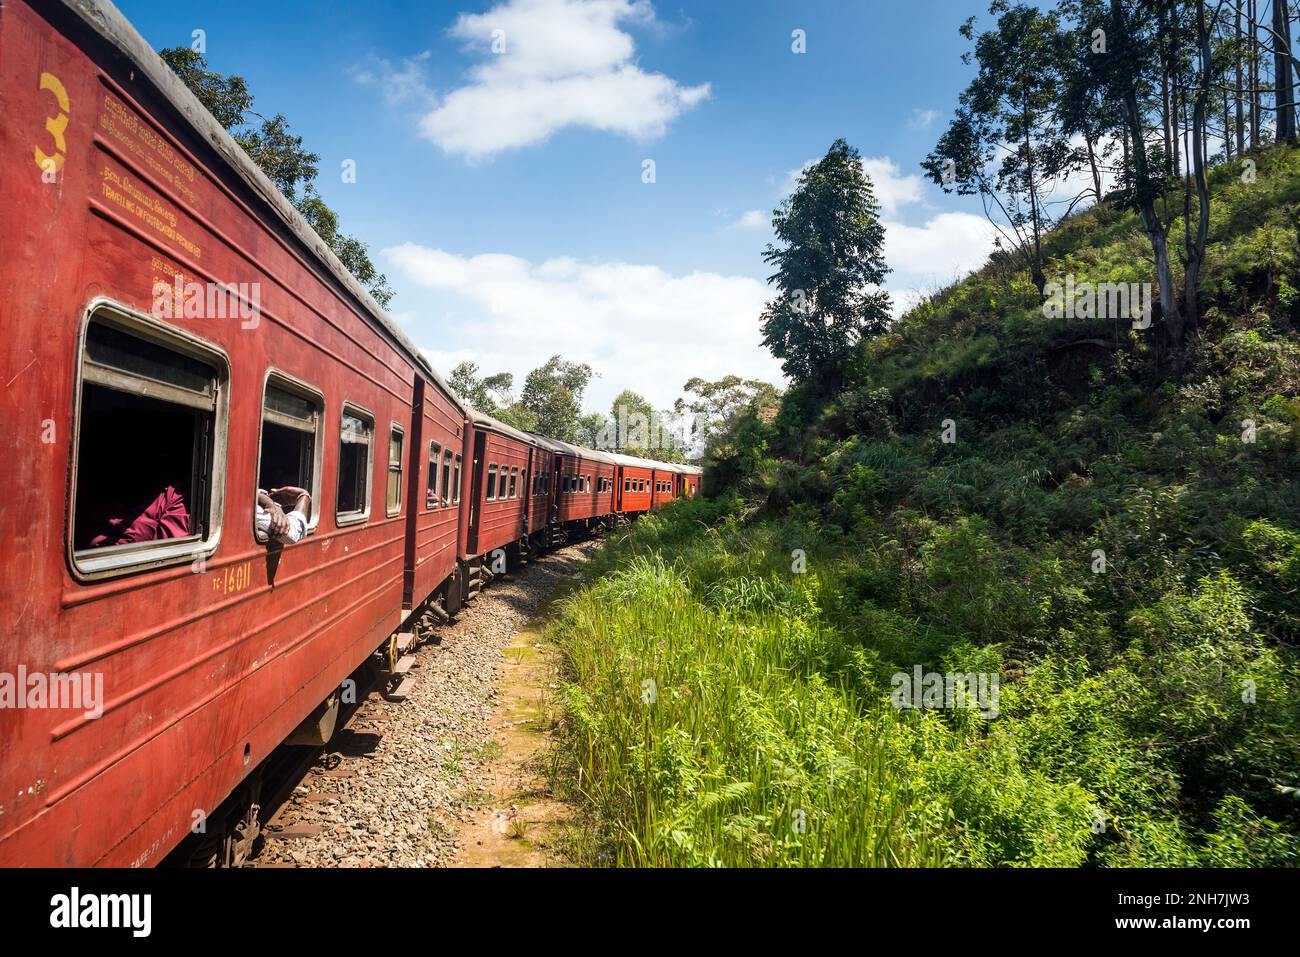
1120, 546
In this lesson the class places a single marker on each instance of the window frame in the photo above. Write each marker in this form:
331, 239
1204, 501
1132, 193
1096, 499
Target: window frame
447, 475
116, 561
514, 482
288, 383
342, 519
392, 511
491, 482
431, 483
456, 477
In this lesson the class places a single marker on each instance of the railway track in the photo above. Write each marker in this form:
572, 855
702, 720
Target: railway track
398, 779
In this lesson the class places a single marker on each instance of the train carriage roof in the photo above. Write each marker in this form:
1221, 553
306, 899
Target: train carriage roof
640, 463
108, 23
568, 448
484, 421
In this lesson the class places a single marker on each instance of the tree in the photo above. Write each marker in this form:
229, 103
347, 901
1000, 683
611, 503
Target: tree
719, 406
280, 155
830, 263
1283, 88
491, 395
553, 393
1010, 110
465, 381
592, 429
637, 428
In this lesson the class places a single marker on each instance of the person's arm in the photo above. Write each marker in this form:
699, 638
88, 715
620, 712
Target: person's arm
298, 501
279, 524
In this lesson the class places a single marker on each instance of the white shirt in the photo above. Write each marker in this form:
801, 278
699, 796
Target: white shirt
297, 526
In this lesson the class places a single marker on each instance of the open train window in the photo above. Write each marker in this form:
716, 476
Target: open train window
455, 491
356, 441
492, 483
149, 434
289, 453
502, 479
431, 491
514, 481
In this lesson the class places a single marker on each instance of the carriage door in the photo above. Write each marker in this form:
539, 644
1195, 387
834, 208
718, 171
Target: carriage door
476, 492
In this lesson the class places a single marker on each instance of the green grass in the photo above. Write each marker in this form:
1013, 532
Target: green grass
1148, 710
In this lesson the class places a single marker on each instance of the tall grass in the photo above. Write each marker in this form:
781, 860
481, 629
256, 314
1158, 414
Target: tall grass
701, 738
724, 709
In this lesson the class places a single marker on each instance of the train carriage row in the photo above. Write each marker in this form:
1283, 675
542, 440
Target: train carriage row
177, 338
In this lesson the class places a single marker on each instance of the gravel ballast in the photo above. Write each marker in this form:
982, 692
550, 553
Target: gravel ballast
410, 775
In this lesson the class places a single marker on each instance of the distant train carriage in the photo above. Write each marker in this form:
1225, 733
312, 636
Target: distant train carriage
504, 459
637, 483
584, 483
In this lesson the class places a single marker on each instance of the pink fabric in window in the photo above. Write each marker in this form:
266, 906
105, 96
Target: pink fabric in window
165, 517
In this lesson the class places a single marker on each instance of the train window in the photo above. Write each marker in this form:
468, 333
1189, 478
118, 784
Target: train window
393, 501
455, 491
446, 476
502, 478
290, 451
356, 434
150, 434
627, 484
431, 490
514, 482
492, 483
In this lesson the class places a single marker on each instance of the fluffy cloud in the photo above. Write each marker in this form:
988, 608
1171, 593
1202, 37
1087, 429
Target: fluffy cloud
894, 189
922, 119
753, 219
552, 64
925, 257
639, 326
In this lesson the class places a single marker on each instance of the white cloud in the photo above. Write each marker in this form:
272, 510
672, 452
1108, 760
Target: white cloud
923, 258
894, 189
753, 219
922, 119
929, 257
401, 82
639, 326
552, 64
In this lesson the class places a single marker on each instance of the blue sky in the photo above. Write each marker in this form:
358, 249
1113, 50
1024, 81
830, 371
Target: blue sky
502, 191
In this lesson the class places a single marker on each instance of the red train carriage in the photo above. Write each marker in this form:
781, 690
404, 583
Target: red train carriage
636, 482
584, 483
177, 338
541, 486
434, 496
504, 460
688, 480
